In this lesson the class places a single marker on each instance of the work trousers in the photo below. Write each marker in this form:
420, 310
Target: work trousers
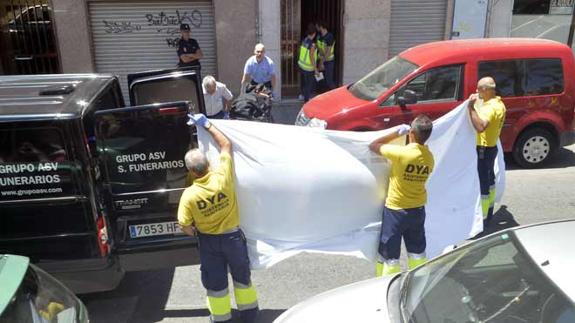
308, 84
408, 224
218, 253
485, 164
328, 74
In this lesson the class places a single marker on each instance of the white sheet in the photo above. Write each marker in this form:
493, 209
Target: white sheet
305, 189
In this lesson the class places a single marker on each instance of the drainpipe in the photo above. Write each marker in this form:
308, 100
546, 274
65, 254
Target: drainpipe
258, 23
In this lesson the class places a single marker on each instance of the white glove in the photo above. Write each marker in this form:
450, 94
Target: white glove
403, 129
198, 119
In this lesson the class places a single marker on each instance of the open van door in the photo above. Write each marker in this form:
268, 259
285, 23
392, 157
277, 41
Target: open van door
181, 84
141, 152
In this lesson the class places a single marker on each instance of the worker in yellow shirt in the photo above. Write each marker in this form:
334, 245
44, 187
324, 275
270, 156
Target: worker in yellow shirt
404, 210
209, 208
487, 113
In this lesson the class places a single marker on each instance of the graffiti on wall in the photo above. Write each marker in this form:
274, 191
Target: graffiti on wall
163, 23
120, 27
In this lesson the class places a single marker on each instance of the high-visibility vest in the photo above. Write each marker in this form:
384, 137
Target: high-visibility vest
321, 45
305, 56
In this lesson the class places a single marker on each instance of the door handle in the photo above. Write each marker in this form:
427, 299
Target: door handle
23, 58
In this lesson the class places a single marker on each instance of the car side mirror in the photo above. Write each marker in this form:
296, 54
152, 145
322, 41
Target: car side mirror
408, 97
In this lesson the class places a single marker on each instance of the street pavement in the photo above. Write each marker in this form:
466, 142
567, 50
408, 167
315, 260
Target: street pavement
176, 295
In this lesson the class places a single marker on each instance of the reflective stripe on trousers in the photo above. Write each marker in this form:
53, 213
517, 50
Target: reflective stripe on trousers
246, 296
387, 267
219, 305
415, 259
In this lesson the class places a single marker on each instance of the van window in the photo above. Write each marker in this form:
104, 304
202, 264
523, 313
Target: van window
109, 99
165, 90
439, 84
543, 76
374, 84
525, 77
143, 150
33, 164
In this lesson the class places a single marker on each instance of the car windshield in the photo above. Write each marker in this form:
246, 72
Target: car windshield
40, 298
374, 84
490, 281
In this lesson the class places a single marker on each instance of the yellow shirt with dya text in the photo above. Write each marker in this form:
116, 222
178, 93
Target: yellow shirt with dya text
210, 204
411, 166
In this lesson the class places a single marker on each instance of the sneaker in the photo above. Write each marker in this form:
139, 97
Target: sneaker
300, 97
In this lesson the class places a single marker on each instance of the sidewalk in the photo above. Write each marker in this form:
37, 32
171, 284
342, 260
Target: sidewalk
286, 110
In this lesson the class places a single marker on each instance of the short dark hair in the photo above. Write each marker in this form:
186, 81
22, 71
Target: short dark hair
422, 127
310, 29
321, 24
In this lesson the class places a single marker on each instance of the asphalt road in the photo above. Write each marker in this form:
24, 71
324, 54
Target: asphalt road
177, 295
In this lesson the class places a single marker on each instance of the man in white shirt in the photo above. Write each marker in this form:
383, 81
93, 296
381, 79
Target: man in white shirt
217, 98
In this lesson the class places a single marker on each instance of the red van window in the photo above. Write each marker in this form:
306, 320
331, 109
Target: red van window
438, 84
525, 77
374, 84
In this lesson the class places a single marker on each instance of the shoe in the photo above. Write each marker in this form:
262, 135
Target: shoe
300, 97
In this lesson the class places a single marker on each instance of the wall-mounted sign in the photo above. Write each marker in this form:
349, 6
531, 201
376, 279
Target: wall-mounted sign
561, 7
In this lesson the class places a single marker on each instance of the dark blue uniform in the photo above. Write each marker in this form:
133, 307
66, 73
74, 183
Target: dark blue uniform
189, 46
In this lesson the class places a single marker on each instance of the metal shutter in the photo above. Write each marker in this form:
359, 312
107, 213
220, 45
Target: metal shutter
415, 22
131, 36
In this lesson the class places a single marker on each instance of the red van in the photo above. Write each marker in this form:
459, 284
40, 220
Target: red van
534, 77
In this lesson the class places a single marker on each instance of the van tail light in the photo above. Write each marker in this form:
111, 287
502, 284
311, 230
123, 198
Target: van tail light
103, 237
170, 111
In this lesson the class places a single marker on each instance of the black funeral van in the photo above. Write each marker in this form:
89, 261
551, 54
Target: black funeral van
89, 187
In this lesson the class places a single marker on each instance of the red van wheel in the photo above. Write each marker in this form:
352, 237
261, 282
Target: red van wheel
533, 148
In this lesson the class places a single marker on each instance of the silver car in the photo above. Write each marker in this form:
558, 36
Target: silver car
523, 274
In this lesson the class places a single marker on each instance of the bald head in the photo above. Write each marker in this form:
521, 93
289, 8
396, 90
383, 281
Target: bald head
486, 83
486, 88
196, 162
259, 51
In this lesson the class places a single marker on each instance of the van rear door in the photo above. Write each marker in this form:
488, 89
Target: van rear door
182, 84
141, 152
45, 209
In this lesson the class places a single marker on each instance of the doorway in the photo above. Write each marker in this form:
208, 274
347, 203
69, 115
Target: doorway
295, 16
27, 41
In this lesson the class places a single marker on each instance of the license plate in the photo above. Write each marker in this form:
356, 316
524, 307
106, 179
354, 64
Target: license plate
154, 229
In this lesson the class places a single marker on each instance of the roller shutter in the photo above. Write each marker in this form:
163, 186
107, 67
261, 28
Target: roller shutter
415, 22
133, 36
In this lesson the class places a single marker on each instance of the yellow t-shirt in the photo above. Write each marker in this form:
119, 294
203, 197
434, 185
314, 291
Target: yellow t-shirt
492, 111
210, 203
411, 166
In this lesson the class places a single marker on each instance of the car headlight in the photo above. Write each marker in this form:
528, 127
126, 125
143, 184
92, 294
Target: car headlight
303, 120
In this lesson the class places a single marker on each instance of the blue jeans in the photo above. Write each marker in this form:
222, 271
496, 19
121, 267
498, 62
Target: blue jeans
308, 84
406, 223
328, 74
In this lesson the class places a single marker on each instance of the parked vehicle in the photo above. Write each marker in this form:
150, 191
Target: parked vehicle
29, 294
533, 76
516, 275
89, 188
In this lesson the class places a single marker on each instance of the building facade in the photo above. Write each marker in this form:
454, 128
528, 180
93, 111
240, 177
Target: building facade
125, 36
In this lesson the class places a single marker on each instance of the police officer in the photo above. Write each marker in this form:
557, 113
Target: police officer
325, 47
487, 113
308, 62
189, 51
404, 210
210, 208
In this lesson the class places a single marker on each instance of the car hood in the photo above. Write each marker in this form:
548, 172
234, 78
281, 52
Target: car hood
328, 104
365, 301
